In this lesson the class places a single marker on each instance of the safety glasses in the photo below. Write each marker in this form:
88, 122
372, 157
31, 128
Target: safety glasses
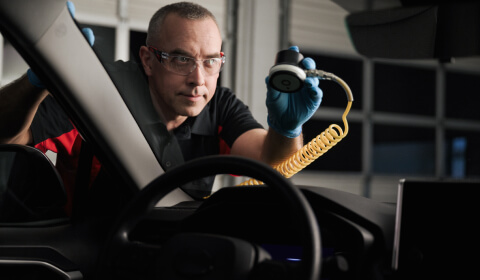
184, 65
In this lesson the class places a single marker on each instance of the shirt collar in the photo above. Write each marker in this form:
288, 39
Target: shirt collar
203, 124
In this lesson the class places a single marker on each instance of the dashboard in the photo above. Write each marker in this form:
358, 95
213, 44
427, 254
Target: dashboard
356, 232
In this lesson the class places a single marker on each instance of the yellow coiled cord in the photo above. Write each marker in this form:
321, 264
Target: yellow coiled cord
318, 145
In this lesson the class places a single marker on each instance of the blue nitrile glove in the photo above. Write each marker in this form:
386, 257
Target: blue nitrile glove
287, 112
32, 77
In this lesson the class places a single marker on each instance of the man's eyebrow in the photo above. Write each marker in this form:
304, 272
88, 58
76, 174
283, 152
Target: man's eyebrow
179, 51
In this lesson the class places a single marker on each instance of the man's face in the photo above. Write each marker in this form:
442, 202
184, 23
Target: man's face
174, 94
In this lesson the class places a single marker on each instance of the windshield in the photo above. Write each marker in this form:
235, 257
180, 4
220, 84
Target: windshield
409, 118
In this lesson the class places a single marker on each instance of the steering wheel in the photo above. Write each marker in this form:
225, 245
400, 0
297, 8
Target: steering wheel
207, 256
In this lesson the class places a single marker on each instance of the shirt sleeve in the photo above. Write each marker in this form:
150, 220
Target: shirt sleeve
50, 122
234, 116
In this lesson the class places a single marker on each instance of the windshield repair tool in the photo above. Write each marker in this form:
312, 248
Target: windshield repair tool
287, 76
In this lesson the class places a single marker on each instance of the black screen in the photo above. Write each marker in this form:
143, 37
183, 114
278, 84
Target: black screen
437, 231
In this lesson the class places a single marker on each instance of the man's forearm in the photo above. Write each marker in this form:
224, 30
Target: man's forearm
19, 102
278, 148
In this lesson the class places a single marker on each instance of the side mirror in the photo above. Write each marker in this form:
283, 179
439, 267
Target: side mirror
30, 187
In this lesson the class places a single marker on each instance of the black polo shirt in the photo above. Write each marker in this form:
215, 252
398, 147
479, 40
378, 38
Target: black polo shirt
212, 132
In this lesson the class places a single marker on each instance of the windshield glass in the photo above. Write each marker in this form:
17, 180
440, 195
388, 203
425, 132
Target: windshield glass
410, 118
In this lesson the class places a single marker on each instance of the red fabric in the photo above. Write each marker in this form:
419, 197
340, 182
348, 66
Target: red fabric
224, 149
67, 147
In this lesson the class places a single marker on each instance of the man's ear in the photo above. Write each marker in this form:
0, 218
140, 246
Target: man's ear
146, 59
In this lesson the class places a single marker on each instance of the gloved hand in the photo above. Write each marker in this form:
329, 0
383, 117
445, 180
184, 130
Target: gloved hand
287, 112
87, 32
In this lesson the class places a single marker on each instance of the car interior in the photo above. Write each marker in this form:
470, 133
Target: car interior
136, 221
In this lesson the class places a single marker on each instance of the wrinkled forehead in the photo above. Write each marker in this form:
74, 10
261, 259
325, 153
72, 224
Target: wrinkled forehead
194, 35
174, 25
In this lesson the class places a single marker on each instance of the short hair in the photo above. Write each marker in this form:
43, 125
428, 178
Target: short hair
186, 10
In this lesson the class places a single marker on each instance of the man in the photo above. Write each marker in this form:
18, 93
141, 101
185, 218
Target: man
181, 60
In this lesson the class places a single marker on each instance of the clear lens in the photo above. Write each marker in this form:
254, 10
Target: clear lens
185, 65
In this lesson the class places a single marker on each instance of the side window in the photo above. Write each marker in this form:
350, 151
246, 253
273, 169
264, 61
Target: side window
30, 188
6, 162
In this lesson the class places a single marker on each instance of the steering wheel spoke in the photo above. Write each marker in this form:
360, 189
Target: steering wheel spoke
130, 259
